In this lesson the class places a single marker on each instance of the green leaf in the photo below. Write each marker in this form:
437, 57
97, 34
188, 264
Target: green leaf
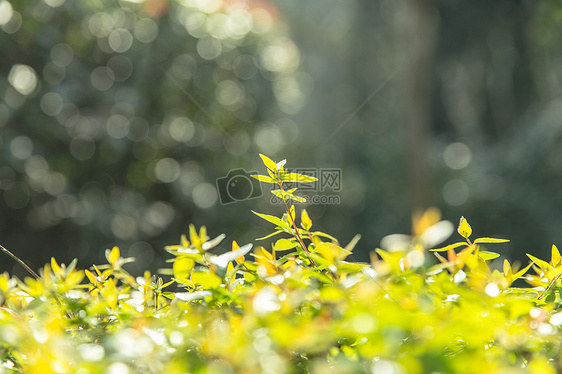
485, 255
318, 275
450, 246
490, 240
323, 234
322, 262
520, 273
350, 267
249, 277
284, 245
263, 178
206, 279
269, 163
271, 174
112, 255
540, 263
550, 297
292, 215
203, 234
57, 269
195, 240
251, 266
168, 283
182, 267
464, 228
299, 178
71, 266
349, 247
275, 220
270, 235
555, 256
385, 256
306, 222
298, 199
169, 295
285, 195
506, 268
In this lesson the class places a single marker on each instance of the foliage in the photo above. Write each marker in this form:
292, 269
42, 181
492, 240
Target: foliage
298, 307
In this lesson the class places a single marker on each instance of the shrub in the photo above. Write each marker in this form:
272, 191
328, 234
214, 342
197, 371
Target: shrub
298, 307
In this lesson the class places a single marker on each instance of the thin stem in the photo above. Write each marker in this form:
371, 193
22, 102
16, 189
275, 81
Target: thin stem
35, 275
29, 270
301, 242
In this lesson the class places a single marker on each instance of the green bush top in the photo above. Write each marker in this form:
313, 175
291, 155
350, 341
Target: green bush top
297, 307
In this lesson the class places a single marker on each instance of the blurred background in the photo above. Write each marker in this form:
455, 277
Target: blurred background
122, 122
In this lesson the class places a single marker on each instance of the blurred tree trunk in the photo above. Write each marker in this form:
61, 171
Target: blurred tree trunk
421, 41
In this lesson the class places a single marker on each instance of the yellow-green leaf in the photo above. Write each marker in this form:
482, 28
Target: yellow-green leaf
292, 215
182, 267
235, 246
506, 268
555, 257
263, 178
269, 163
203, 234
270, 235
97, 271
271, 174
485, 255
249, 277
56, 268
113, 256
183, 240
464, 228
206, 279
275, 220
522, 271
450, 246
286, 195
306, 222
349, 247
490, 240
263, 253
299, 199
323, 234
194, 237
299, 178
90, 275
540, 263
350, 267
284, 244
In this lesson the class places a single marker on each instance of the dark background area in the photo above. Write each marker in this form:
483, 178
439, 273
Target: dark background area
118, 117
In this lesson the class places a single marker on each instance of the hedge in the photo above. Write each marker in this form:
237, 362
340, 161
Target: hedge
297, 307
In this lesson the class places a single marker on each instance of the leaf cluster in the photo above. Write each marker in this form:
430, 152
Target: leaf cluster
297, 307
